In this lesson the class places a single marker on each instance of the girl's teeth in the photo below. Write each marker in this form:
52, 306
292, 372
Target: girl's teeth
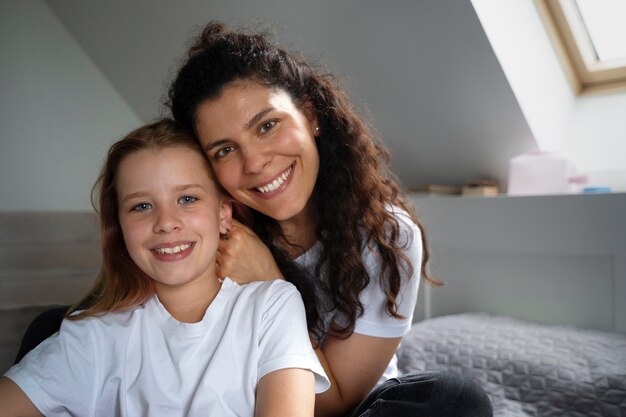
175, 249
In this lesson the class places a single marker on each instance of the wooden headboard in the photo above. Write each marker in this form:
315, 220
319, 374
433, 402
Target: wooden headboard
46, 259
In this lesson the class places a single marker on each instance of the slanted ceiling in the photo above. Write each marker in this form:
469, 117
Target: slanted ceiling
423, 70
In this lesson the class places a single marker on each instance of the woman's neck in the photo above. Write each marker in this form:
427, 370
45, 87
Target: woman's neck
299, 233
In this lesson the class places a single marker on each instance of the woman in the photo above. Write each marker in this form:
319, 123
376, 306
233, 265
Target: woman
324, 211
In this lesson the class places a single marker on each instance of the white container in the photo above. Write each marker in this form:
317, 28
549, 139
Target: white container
541, 172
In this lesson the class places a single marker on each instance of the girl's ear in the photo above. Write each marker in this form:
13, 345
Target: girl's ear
226, 216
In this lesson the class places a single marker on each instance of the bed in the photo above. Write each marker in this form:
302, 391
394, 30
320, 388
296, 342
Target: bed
527, 369
547, 278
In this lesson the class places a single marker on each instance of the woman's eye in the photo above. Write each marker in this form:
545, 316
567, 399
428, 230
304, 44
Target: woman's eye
142, 207
267, 126
224, 151
187, 199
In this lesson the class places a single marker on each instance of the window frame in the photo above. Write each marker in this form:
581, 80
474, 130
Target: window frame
586, 73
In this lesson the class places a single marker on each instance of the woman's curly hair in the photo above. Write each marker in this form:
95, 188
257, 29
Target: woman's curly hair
353, 165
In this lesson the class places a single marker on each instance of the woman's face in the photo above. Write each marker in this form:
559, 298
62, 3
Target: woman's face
261, 147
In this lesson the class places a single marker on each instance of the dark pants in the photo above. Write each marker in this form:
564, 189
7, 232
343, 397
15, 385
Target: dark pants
427, 394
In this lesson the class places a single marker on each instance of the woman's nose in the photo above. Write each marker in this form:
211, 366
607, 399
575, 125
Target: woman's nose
255, 159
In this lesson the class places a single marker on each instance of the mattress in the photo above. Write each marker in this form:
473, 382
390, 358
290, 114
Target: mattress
527, 369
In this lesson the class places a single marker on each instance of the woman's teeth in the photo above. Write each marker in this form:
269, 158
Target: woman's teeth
174, 249
276, 183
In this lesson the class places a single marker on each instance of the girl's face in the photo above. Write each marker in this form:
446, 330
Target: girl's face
261, 147
171, 214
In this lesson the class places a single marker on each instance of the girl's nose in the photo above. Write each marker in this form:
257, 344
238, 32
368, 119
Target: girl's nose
166, 221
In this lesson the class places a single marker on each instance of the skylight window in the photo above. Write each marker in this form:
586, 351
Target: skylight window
592, 34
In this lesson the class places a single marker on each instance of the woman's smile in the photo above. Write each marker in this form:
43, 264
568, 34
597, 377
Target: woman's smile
281, 180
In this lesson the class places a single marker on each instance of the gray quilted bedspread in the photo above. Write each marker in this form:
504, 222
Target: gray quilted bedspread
527, 369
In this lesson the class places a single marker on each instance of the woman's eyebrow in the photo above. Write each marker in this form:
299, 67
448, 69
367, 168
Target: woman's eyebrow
249, 124
257, 117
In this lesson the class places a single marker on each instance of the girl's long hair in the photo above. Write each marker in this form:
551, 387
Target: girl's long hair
353, 165
121, 284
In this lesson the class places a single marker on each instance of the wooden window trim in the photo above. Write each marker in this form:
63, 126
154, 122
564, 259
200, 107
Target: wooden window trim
586, 73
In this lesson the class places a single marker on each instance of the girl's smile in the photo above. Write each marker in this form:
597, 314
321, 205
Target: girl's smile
173, 252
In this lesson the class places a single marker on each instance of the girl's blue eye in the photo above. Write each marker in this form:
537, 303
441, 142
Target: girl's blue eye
267, 126
142, 207
187, 199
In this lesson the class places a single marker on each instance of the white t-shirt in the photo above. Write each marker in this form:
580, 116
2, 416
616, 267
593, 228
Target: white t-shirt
143, 362
375, 320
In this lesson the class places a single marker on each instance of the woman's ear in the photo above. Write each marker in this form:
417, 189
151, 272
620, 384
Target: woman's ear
311, 114
226, 216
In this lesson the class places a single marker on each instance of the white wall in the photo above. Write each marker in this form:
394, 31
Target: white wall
546, 259
589, 129
596, 137
424, 69
58, 113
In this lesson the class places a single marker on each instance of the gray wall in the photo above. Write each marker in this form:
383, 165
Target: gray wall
424, 69
58, 113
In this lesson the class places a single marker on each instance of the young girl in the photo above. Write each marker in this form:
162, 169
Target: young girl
285, 141
162, 335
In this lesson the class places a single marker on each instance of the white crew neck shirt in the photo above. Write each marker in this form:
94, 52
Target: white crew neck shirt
375, 320
143, 362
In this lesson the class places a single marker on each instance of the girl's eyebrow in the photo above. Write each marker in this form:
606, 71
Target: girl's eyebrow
133, 195
253, 121
141, 194
188, 186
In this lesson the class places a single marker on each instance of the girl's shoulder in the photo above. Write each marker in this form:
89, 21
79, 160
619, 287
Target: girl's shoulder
263, 290
107, 320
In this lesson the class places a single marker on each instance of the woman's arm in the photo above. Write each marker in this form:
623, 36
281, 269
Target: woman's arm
286, 393
244, 258
14, 401
353, 366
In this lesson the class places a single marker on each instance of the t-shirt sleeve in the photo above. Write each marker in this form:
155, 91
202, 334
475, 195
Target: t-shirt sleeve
284, 341
375, 320
58, 375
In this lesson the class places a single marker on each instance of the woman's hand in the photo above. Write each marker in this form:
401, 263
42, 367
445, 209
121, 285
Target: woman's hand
242, 257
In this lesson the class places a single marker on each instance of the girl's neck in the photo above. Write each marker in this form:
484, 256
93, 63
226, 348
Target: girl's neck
188, 304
